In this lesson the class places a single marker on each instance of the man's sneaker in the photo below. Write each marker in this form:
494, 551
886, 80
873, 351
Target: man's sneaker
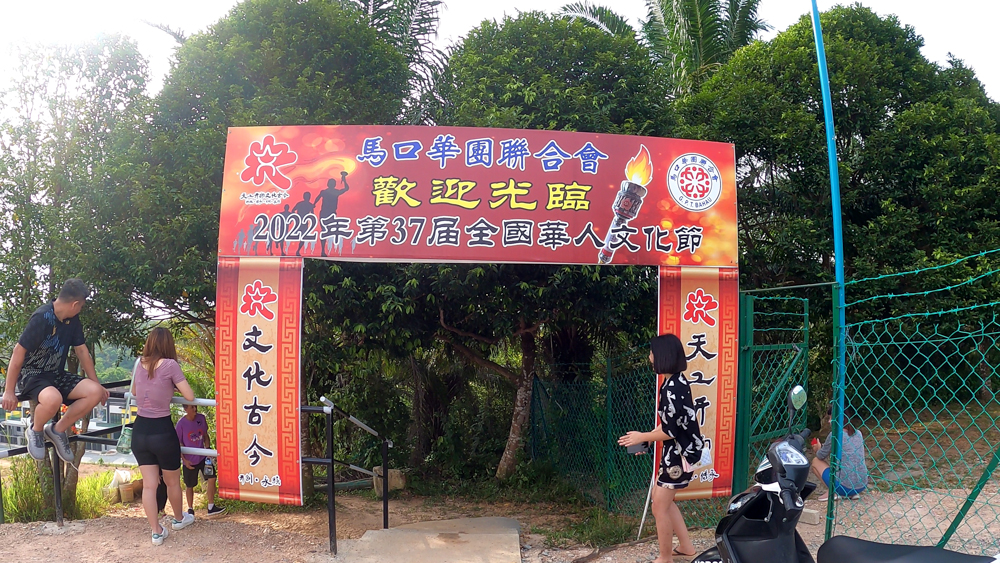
855, 496
158, 538
60, 442
36, 443
191, 511
215, 511
183, 522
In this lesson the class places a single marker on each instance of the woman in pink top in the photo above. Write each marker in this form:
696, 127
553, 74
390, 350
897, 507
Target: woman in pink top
154, 441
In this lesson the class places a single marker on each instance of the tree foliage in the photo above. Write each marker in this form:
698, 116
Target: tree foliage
691, 38
542, 72
268, 62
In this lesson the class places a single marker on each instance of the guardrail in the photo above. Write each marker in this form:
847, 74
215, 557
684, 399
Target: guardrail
328, 409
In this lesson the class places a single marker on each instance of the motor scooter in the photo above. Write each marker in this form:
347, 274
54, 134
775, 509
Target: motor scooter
760, 524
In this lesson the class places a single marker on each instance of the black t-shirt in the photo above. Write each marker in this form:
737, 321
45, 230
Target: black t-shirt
47, 341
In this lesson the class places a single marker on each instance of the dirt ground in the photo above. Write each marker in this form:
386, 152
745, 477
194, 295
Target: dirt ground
301, 535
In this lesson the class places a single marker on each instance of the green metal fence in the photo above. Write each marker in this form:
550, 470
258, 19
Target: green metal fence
576, 427
774, 357
921, 375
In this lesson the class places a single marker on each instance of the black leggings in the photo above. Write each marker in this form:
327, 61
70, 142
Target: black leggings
154, 442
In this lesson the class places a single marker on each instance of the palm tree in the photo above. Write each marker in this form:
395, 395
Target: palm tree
693, 38
410, 26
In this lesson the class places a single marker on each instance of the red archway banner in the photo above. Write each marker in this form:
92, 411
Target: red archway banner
454, 194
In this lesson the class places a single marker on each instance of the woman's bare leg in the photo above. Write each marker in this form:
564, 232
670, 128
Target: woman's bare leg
150, 481
684, 544
663, 499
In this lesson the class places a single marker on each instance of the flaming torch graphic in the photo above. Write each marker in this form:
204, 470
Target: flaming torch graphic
639, 172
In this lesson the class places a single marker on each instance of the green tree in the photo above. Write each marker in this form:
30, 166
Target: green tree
917, 147
268, 62
410, 26
535, 71
62, 110
542, 72
692, 38
766, 101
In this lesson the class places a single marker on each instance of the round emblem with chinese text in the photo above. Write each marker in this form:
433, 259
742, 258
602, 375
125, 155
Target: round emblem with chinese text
675, 472
694, 182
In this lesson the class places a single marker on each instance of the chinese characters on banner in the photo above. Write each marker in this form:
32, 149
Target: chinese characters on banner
453, 194
257, 379
700, 306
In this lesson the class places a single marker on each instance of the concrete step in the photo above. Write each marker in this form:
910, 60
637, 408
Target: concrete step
467, 540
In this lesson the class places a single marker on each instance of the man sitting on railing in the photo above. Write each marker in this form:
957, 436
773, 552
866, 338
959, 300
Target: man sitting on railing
37, 371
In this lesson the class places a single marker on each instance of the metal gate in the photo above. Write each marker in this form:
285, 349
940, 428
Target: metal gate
774, 357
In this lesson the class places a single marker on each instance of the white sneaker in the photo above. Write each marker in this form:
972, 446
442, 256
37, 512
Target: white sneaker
158, 538
183, 522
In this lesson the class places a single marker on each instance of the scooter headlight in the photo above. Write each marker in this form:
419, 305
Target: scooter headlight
790, 456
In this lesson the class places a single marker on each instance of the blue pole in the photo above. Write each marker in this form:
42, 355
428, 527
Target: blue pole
838, 251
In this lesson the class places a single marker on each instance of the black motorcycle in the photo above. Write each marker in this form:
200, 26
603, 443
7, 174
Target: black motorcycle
759, 526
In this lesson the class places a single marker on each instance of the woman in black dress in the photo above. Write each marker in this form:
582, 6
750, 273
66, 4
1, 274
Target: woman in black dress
682, 445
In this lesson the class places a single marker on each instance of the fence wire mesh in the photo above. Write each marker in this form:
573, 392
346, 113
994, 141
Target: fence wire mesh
921, 382
575, 426
775, 358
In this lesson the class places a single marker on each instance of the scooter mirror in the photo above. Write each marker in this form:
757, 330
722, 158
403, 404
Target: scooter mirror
797, 398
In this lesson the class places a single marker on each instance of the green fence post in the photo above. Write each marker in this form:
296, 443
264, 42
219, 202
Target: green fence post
741, 463
971, 498
805, 346
838, 402
609, 444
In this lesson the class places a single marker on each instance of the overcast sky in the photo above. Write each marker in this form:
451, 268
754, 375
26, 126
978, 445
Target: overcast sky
965, 28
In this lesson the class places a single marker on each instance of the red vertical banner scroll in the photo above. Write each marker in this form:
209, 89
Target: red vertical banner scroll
701, 306
258, 330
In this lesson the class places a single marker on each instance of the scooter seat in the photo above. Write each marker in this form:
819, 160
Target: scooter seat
842, 549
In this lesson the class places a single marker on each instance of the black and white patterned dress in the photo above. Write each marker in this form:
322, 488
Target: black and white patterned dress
679, 421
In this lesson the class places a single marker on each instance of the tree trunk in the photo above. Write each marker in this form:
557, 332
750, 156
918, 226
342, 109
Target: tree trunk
71, 477
420, 428
522, 408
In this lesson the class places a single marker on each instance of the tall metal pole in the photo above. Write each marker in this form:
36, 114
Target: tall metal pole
385, 484
331, 502
839, 320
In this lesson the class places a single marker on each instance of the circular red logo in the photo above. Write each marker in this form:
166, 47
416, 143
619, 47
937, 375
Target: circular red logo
694, 182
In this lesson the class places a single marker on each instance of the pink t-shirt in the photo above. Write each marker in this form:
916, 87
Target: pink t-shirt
152, 396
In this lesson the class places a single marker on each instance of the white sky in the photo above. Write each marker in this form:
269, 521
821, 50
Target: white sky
964, 28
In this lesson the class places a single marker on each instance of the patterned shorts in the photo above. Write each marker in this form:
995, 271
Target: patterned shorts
64, 381
672, 474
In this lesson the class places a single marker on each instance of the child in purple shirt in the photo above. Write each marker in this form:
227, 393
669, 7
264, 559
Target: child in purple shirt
192, 431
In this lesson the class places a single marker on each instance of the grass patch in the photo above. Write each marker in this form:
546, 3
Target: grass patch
598, 528
313, 501
90, 499
24, 494
531, 483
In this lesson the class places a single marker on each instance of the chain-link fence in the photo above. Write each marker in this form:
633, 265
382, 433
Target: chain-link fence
774, 358
576, 427
920, 380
